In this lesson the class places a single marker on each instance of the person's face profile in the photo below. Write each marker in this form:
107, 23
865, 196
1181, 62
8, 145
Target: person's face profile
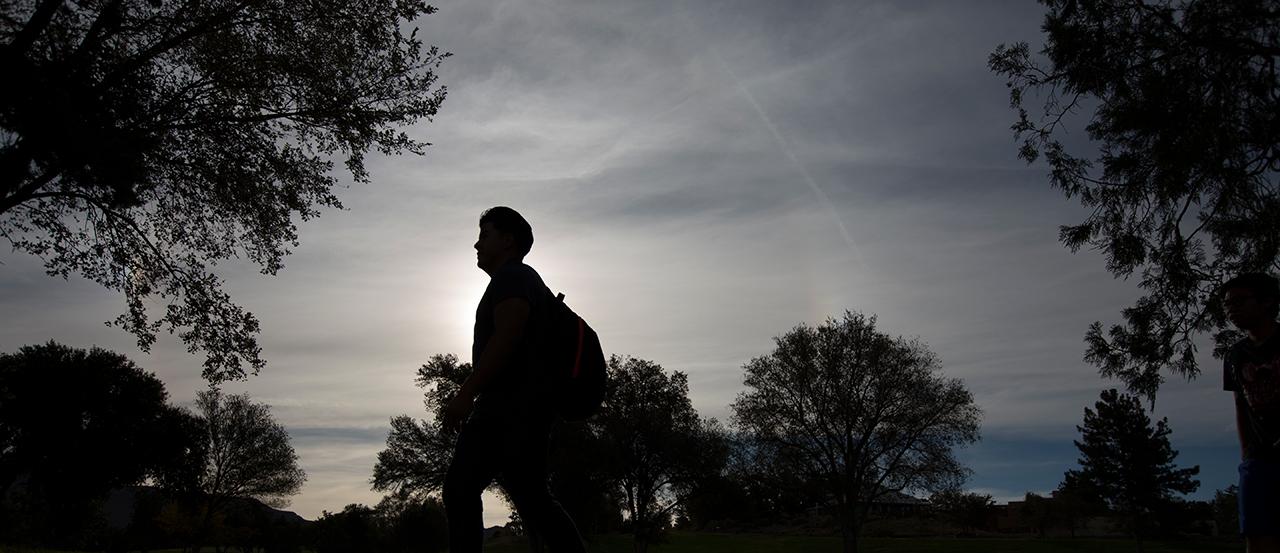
1243, 307
491, 247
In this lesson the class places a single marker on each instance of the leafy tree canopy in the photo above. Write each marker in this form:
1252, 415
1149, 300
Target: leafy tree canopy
143, 142
1180, 178
657, 446
418, 452
63, 409
761, 486
75, 424
859, 411
969, 510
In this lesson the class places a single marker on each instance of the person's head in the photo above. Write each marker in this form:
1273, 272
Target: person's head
504, 235
1251, 299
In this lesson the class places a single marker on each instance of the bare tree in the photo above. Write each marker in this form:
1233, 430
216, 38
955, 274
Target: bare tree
248, 454
863, 413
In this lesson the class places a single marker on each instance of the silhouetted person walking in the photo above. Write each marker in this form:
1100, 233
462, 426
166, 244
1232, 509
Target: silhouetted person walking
501, 413
1252, 370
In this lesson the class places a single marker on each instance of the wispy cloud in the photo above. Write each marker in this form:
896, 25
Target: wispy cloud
701, 177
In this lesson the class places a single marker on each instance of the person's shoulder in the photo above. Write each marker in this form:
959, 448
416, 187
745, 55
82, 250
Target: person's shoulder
1242, 349
516, 270
519, 277
1239, 347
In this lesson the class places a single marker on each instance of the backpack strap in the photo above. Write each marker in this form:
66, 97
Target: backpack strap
577, 357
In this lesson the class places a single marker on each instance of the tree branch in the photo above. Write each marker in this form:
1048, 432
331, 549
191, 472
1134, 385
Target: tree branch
28, 191
36, 25
208, 25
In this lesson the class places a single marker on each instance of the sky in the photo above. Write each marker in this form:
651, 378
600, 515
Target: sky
700, 177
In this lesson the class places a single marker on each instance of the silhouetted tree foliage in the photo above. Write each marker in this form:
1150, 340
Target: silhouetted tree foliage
1038, 513
179, 468
738, 488
581, 480
773, 477
1180, 176
863, 413
1075, 500
248, 454
413, 525
716, 503
1128, 461
760, 485
142, 142
1226, 510
352, 530
969, 511
74, 424
418, 453
657, 446
399, 524
1179, 517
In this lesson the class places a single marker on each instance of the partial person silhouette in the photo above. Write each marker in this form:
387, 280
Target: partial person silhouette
501, 414
1251, 370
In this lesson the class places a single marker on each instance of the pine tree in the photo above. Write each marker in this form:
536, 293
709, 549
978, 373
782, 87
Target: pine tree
1128, 461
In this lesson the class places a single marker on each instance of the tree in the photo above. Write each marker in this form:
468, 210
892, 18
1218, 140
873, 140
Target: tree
1075, 500
412, 525
418, 452
580, 481
1129, 462
657, 444
180, 466
861, 412
74, 424
1180, 177
352, 530
248, 453
774, 487
399, 523
1226, 510
143, 142
969, 510
1038, 513
736, 491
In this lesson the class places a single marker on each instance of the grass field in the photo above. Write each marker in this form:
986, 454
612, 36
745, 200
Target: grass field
757, 543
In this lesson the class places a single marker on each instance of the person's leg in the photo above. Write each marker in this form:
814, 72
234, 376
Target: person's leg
524, 477
470, 472
1259, 498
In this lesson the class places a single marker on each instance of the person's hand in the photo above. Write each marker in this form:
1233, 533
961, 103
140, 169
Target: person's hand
455, 412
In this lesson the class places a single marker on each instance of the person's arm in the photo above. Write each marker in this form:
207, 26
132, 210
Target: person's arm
1243, 424
509, 318
1230, 384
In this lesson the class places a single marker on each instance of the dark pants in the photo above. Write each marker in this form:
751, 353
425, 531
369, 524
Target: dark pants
512, 449
1259, 498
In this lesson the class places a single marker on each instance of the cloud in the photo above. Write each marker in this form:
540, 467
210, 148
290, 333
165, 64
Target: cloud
688, 168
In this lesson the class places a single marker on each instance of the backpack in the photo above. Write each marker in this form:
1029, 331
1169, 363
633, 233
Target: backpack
574, 362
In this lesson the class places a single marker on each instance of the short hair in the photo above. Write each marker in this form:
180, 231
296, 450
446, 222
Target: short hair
1264, 286
511, 222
